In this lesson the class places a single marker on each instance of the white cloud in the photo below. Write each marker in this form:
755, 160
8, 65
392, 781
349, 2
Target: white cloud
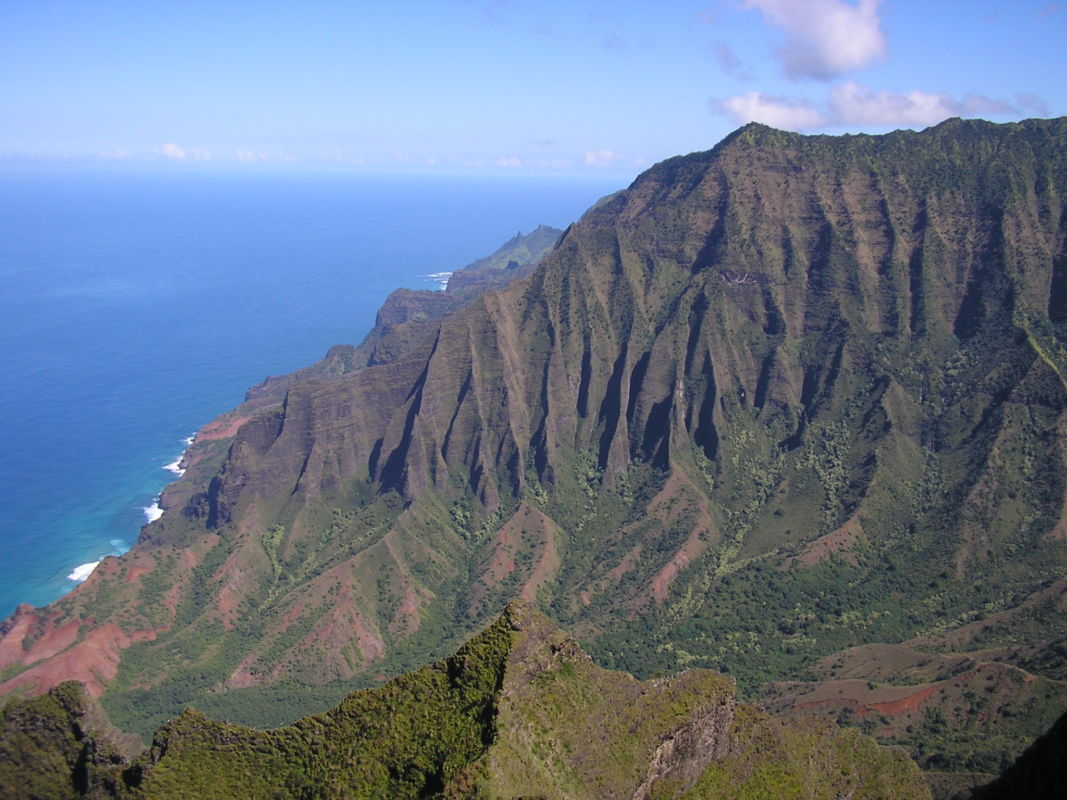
852, 105
778, 112
510, 161
601, 158
171, 150
246, 156
199, 154
1031, 104
825, 39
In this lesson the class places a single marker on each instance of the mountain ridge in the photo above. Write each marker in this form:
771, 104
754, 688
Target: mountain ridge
786, 397
518, 711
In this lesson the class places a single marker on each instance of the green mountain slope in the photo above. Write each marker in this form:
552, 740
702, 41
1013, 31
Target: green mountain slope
773, 402
518, 711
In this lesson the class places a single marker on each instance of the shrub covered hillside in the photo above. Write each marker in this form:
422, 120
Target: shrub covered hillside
518, 711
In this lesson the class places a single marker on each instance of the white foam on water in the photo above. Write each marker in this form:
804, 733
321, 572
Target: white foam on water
153, 512
440, 278
82, 571
175, 466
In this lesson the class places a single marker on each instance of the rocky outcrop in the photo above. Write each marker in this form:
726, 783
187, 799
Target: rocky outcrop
684, 755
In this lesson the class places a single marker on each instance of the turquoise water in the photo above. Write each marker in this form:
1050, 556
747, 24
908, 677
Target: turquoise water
135, 308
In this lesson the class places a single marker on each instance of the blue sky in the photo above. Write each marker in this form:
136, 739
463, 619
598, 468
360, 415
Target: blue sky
508, 86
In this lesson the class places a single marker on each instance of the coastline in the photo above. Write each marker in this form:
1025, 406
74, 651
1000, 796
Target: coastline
162, 302
152, 512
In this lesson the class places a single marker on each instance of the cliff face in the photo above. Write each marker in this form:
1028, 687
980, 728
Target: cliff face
786, 397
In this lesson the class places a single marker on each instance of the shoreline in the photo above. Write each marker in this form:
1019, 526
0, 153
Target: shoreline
80, 573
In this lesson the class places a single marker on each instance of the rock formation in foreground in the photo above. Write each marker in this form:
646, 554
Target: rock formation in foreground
518, 712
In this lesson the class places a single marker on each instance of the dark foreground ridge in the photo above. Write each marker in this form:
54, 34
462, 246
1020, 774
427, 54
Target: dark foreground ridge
793, 409
518, 711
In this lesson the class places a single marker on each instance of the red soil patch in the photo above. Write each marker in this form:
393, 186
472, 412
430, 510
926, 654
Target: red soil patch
613, 576
227, 602
905, 705
292, 615
882, 662
629, 561
189, 560
340, 625
548, 564
502, 561
221, 428
692, 548
410, 604
890, 701
529, 536
28, 622
94, 661
660, 508
23, 622
835, 702
243, 676
108, 566
822, 548
54, 641
135, 573
695, 544
236, 584
408, 617
173, 596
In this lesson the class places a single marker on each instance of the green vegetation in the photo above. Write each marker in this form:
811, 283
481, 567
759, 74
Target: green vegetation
409, 738
58, 746
518, 711
789, 397
804, 760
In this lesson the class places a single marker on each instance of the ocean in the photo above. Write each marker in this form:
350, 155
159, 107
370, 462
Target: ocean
137, 306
